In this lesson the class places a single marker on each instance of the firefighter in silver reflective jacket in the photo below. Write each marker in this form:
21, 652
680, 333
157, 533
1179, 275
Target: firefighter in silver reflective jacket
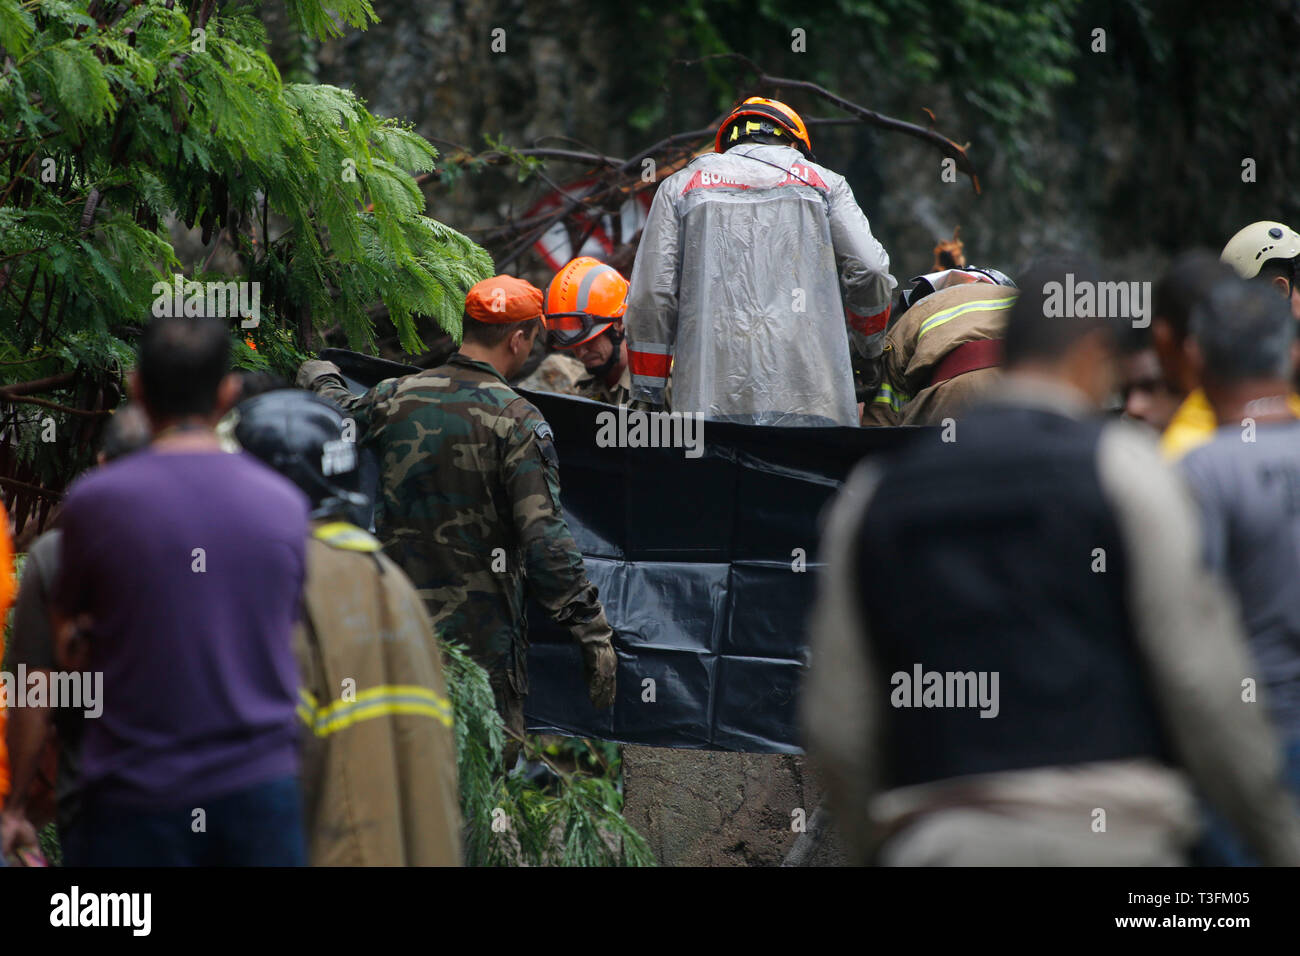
752, 263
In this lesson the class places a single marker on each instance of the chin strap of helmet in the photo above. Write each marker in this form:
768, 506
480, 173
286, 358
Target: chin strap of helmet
616, 339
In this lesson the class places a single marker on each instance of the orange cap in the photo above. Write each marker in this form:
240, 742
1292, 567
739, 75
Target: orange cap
503, 299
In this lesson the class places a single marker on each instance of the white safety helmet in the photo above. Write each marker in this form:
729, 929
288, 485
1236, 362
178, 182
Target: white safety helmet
1256, 244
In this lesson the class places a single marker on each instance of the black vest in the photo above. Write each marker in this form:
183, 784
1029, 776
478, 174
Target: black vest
978, 555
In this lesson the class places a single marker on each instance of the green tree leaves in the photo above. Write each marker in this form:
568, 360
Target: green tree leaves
118, 125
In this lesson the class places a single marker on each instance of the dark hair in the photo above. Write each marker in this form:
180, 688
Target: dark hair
1134, 339
182, 363
766, 139
1244, 330
1189, 279
1042, 323
491, 334
127, 431
259, 381
1288, 269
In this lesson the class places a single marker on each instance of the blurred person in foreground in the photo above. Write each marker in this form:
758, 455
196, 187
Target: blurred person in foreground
30, 729
1043, 662
1246, 479
379, 763
181, 578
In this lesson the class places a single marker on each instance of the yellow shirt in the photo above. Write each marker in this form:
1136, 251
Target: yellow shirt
1194, 424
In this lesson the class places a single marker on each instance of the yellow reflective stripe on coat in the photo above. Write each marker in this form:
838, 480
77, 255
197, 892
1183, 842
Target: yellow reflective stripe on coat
346, 537
383, 701
306, 707
887, 396
947, 315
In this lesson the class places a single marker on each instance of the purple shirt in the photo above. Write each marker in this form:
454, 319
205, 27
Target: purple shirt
200, 681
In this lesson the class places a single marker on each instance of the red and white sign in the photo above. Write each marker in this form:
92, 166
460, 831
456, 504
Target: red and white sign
556, 248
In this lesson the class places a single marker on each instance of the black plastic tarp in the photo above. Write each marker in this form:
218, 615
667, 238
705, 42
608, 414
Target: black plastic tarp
695, 560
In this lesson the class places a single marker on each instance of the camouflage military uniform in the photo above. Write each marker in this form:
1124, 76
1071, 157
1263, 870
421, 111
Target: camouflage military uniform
470, 506
620, 393
556, 377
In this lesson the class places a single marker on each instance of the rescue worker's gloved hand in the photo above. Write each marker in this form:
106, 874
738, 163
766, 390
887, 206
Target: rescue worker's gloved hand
313, 369
600, 664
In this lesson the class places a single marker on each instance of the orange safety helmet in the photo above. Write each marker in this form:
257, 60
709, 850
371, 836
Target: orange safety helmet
582, 300
779, 118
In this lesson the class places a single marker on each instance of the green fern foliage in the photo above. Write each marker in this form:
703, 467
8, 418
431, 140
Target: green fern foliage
510, 821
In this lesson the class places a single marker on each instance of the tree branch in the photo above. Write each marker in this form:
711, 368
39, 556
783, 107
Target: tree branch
622, 177
871, 117
66, 409
17, 485
37, 385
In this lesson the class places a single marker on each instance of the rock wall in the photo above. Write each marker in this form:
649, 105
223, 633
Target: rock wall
708, 808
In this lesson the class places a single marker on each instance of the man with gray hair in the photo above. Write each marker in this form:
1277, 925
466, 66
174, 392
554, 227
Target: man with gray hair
1247, 483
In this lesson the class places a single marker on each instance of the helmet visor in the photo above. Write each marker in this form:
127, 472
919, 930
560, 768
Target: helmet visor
564, 330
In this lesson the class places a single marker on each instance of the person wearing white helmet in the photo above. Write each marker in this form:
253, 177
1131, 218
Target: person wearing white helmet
1268, 251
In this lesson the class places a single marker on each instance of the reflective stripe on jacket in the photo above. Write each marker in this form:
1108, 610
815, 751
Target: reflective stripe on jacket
920, 340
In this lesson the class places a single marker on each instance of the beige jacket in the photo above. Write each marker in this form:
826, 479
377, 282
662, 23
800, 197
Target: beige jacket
921, 339
379, 761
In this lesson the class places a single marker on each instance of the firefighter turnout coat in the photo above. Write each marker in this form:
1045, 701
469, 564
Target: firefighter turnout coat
379, 763
941, 355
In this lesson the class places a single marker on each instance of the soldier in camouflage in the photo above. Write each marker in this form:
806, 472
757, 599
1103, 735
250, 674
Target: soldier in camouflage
471, 497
